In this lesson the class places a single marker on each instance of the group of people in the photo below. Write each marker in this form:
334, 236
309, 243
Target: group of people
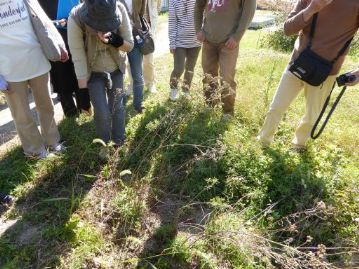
99, 37
102, 37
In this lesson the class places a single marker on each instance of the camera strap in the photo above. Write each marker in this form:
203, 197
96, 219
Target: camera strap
312, 134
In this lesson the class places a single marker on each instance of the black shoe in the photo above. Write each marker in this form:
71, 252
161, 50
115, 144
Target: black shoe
6, 199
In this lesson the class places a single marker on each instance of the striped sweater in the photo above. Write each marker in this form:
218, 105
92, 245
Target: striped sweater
181, 30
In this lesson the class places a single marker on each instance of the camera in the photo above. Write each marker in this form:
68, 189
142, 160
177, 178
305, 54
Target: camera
345, 78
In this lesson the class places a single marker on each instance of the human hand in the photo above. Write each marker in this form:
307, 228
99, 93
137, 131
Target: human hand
63, 22
231, 43
111, 38
64, 55
356, 81
4, 85
173, 51
7, 90
201, 37
60, 23
82, 83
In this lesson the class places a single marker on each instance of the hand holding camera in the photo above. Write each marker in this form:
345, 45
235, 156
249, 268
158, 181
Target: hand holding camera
348, 79
111, 38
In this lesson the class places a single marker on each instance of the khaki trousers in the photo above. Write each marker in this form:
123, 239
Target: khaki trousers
149, 70
287, 91
216, 58
32, 141
148, 60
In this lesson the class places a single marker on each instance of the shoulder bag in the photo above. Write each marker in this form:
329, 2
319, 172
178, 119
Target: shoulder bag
148, 44
143, 37
49, 38
309, 66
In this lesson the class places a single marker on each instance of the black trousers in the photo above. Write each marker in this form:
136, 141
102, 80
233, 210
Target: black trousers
64, 81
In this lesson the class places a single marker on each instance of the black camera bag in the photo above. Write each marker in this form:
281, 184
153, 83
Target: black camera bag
309, 66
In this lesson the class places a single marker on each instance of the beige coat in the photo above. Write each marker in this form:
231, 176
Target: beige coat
153, 8
82, 42
138, 9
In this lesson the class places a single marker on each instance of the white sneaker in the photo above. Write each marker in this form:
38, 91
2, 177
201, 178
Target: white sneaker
57, 148
129, 90
40, 156
174, 95
185, 94
152, 89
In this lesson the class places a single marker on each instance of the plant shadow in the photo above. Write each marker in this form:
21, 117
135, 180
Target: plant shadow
172, 148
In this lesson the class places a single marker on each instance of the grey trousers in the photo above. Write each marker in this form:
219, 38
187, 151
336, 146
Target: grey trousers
185, 60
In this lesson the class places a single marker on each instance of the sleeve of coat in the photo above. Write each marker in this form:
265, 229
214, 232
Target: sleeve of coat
248, 10
143, 7
198, 14
125, 27
172, 24
295, 21
75, 37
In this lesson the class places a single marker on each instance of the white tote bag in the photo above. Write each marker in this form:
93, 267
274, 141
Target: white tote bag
49, 38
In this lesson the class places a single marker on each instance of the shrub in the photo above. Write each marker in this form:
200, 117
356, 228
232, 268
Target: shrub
277, 40
354, 48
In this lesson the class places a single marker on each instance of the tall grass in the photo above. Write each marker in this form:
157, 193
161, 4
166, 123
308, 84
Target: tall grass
191, 189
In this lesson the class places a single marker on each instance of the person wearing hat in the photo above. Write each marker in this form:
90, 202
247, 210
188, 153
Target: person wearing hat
135, 9
99, 35
58, 11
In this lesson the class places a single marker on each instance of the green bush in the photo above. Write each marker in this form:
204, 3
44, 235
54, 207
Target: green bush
354, 48
277, 40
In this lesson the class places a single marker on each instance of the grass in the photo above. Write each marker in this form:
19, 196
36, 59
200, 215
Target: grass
190, 190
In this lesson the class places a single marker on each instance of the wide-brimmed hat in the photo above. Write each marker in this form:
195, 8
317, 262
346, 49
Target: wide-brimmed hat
101, 15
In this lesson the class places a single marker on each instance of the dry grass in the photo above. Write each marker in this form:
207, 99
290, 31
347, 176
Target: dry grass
275, 5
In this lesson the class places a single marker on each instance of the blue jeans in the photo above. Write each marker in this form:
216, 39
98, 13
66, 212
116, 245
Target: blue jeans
135, 58
108, 106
